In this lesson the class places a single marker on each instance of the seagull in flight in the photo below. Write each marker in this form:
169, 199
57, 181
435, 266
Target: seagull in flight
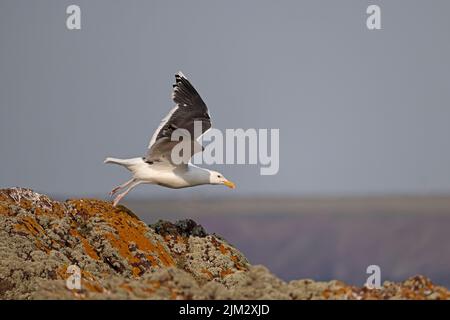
157, 166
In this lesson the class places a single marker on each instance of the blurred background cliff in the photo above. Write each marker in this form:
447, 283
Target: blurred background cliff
363, 116
326, 238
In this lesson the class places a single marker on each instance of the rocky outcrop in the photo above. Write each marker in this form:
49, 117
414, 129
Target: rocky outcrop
120, 257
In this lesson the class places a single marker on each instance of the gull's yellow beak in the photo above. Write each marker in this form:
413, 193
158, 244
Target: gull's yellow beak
229, 184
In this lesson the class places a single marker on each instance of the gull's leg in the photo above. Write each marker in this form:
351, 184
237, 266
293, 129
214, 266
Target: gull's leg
123, 194
123, 185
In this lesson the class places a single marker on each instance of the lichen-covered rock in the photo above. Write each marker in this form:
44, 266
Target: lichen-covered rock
184, 228
120, 257
40, 238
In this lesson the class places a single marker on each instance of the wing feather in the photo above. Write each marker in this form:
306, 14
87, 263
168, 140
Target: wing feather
189, 109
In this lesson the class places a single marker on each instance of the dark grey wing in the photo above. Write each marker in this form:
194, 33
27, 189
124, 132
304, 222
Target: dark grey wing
161, 152
189, 110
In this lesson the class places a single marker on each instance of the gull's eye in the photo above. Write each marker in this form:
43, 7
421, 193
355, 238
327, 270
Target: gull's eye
218, 176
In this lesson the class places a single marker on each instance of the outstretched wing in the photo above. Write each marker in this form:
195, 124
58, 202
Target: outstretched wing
189, 109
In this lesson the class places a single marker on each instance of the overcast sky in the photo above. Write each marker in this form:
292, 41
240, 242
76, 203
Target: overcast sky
359, 111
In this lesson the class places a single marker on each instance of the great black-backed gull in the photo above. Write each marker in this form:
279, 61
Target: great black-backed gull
158, 167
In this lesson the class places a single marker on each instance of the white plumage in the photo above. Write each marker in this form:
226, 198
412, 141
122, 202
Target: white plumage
157, 166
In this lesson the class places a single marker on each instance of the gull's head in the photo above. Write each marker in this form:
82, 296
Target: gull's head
218, 178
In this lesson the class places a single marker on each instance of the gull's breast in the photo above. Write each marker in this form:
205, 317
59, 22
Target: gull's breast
160, 175
171, 180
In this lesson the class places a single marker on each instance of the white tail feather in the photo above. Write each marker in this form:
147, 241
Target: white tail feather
121, 162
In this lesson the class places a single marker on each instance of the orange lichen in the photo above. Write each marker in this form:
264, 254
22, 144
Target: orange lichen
27, 199
166, 259
225, 272
155, 284
62, 272
94, 287
174, 294
57, 210
181, 240
238, 265
136, 271
326, 293
21, 229
126, 287
152, 260
150, 291
127, 229
29, 224
223, 249
89, 249
4, 208
42, 247
208, 273
86, 245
